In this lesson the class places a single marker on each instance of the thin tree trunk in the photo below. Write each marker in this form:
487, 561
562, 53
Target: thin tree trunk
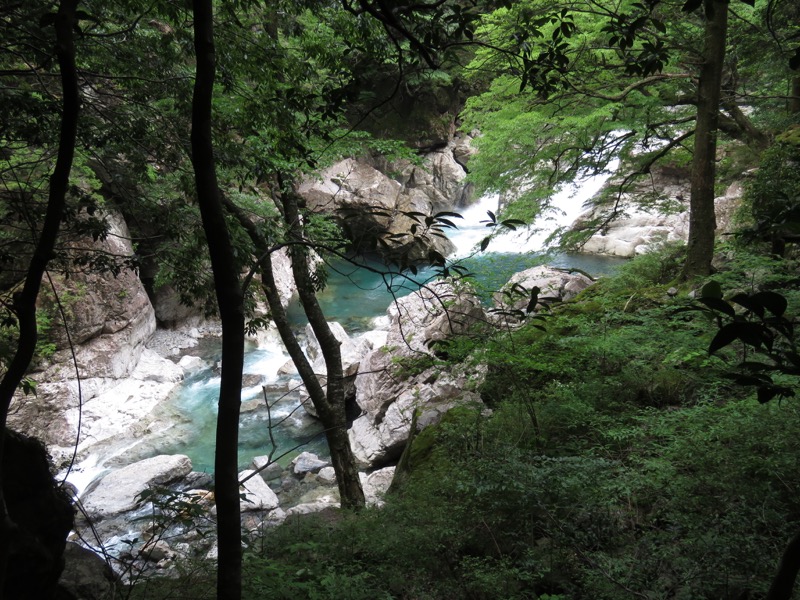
330, 407
332, 412
230, 300
702, 218
25, 300
783, 583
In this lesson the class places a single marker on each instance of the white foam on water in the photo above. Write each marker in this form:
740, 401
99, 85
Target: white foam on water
568, 205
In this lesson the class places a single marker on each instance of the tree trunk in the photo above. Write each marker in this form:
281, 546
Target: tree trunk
332, 411
794, 103
25, 300
230, 299
702, 218
783, 583
330, 407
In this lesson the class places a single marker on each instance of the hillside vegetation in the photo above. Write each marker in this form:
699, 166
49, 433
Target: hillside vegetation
617, 460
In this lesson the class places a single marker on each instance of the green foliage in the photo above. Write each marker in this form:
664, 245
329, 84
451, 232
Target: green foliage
759, 324
568, 90
772, 199
617, 461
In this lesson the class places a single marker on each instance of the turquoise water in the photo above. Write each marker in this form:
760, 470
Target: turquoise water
196, 404
354, 297
357, 292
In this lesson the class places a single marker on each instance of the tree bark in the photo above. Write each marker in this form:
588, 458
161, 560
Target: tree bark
702, 218
230, 299
25, 300
783, 583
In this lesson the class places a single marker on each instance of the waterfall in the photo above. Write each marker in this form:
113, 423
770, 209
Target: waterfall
567, 205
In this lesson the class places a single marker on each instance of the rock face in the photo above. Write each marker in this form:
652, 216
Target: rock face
44, 516
116, 492
110, 319
373, 208
352, 351
171, 313
388, 396
640, 231
423, 114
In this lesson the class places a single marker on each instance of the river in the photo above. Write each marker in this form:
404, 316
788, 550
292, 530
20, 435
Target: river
357, 298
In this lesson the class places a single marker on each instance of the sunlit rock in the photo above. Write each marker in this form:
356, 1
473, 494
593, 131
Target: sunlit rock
257, 494
400, 378
116, 491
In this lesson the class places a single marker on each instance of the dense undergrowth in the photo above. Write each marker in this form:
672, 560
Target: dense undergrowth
617, 461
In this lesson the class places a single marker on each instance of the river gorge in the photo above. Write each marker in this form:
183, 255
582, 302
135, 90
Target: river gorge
147, 396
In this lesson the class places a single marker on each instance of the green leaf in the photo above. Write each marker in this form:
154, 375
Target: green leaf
719, 305
750, 303
772, 301
455, 215
765, 394
727, 334
712, 289
485, 243
534, 300
691, 5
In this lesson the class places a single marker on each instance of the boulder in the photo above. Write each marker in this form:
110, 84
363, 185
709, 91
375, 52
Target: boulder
268, 470
326, 476
258, 495
376, 484
373, 211
152, 367
116, 492
388, 395
306, 462
192, 364
86, 576
554, 285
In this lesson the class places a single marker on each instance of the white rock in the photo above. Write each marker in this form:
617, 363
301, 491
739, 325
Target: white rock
152, 367
376, 484
117, 491
327, 476
312, 507
553, 284
268, 470
121, 409
259, 496
306, 462
192, 364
